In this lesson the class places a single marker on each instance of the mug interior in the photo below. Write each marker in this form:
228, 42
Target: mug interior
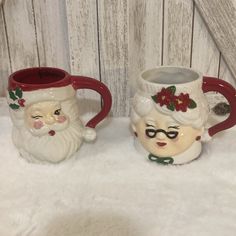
170, 75
39, 75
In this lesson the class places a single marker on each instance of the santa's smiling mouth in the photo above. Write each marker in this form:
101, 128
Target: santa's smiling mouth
161, 144
51, 132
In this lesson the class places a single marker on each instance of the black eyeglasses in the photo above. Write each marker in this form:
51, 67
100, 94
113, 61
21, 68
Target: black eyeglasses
151, 133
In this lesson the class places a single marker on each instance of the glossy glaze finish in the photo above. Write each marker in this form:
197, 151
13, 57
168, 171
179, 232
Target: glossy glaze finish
228, 91
170, 111
45, 114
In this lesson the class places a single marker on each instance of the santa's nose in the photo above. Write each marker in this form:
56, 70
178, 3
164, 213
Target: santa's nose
49, 120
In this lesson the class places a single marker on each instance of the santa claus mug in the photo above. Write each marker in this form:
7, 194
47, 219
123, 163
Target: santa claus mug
170, 111
45, 115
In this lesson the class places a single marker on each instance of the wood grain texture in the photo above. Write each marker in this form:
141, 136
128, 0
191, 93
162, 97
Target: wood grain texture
21, 33
145, 37
4, 56
113, 41
52, 34
225, 73
220, 16
83, 46
178, 16
207, 58
205, 55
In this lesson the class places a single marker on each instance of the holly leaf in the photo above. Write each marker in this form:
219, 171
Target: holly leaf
12, 95
171, 106
18, 92
172, 89
14, 106
154, 98
192, 104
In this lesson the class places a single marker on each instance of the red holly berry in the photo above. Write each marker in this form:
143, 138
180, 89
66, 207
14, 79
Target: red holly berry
21, 102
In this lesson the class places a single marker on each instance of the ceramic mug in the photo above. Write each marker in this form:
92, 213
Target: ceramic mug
45, 114
170, 111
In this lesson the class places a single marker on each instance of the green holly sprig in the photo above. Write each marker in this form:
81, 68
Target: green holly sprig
16, 95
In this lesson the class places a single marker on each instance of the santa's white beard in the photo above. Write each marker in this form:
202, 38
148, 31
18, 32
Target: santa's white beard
48, 148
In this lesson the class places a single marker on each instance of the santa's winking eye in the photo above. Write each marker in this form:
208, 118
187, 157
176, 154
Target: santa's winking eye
36, 117
57, 112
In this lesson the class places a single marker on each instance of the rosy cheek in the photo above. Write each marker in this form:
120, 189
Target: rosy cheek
38, 124
61, 119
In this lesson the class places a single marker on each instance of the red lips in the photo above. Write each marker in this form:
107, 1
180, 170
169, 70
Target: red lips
161, 144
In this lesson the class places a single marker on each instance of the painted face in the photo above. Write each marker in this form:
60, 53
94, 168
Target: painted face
162, 136
45, 117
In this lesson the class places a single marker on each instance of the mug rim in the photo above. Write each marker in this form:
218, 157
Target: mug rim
13, 82
145, 81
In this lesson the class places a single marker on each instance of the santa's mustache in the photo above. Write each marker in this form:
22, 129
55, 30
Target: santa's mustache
49, 129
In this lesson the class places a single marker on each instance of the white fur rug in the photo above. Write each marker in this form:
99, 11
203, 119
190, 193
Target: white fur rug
108, 189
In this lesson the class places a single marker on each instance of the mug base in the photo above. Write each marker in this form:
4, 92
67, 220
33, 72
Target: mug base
31, 159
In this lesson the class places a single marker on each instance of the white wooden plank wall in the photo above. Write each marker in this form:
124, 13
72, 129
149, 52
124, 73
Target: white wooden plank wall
4, 54
83, 48
51, 33
178, 22
109, 40
20, 27
205, 55
113, 51
220, 17
145, 37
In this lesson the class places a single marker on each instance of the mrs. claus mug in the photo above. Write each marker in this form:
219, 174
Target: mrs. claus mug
170, 111
45, 114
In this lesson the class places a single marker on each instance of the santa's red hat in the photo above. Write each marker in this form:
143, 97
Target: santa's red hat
34, 85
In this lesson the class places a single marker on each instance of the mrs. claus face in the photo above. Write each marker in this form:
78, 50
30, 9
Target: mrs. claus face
45, 117
162, 136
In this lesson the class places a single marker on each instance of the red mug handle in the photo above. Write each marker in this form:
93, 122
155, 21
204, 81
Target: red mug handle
228, 91
82, 82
